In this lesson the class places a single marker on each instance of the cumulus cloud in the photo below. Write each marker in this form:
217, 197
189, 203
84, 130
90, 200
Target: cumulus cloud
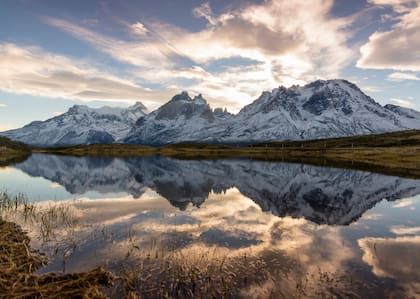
383, 50
287, 42
31, 70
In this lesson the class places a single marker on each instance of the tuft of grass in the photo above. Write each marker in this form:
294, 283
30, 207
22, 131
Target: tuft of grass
18, 263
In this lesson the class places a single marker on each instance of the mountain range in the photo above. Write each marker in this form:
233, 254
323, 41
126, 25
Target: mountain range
322, 195
80, 125
321, 109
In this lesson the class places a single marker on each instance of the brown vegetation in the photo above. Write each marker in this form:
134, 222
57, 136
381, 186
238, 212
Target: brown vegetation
18, 264
395, 153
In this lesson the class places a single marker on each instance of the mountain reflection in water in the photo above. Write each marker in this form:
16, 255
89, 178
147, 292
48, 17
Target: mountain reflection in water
266, 230
320, 194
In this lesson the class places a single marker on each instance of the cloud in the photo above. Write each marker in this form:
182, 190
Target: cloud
138, 28
204, 11
381, 254
3, 105
31, 70
397, 5
398, 76
149, 51
384, 49
286, 42
398, 230
404, 103
5, 127
403, 203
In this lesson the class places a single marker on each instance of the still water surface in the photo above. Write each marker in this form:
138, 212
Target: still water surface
284, 229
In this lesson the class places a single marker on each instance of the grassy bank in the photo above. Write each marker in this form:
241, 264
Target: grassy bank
395, 153
12, 152
18, 262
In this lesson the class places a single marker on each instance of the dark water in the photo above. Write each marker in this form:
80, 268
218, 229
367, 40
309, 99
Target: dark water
354, 233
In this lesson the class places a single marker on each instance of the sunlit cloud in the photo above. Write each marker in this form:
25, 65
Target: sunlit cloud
286, 42
381, 253
398, 76
398, 230
138, 28
384, 49
31, 70
55, 185
373, 216
404, 203
402, 102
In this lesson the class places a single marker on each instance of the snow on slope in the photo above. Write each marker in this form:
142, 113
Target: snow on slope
180, 119
322, 109
80, 125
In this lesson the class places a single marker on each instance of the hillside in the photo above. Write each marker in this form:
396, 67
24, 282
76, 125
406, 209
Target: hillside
12, 151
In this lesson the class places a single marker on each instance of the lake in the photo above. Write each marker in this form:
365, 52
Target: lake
224, 228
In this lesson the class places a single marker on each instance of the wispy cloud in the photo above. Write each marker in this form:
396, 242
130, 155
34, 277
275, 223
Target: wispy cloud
402, 102
288, 43
31, 70
398, 76
3, 105
403, 203
403, 230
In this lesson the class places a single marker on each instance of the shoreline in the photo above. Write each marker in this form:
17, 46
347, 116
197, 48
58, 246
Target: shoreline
401, 161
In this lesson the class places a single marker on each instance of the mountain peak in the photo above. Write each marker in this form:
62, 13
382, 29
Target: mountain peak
321, 109
199, 100
78, 108
183, 96
138, 106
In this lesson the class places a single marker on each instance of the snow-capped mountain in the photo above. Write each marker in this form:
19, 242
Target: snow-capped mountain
407, 113
320, 194
80, 125
180, 119
322, 109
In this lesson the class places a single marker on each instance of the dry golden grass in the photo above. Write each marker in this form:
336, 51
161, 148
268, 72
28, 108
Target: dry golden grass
18, 264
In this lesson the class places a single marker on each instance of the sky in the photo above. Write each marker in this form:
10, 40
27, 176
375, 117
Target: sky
58, 53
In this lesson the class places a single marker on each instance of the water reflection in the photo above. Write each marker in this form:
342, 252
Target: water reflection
397, 258
320, 194
326, 232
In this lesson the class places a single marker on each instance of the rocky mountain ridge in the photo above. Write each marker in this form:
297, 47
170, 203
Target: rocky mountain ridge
321, 109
